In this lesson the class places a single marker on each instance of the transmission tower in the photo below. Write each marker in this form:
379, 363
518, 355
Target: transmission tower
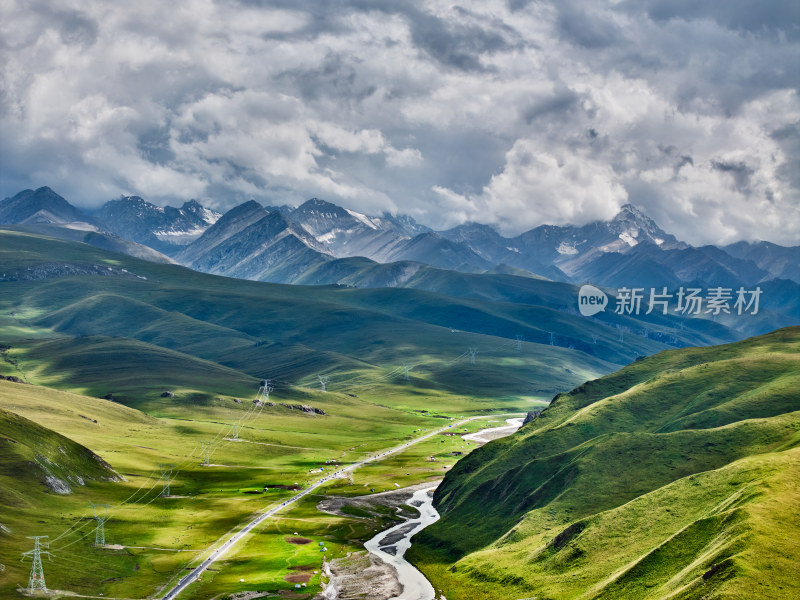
264, 391
100, 532
406, 368
235, 429
36, 580
472, 352
166, 477
519, 343
323, 380
205, 448
552, 339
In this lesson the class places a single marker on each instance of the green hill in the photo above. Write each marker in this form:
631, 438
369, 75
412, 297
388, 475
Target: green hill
37, 460
673, 477
70, 313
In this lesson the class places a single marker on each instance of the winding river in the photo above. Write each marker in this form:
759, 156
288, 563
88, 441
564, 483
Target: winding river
390, 546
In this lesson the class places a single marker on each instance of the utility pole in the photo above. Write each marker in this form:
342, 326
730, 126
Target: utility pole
36, 579
323, 380
519, 343
205, 448
552, 339
100, 532
166, 477
472, 352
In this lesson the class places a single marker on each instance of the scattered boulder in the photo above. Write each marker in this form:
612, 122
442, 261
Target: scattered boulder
109, 397
237, 400
167, 395
12, 378
304, 408
57, 485
708, 574
531, 416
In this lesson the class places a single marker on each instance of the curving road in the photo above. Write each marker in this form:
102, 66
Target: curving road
231, 541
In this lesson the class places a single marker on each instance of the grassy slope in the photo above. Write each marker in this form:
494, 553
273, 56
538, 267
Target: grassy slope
289, 333
577, 500
31, 454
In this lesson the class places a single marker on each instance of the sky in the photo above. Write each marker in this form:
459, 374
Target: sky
513, 113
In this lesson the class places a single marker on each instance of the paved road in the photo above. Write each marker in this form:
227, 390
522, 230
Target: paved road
231, 541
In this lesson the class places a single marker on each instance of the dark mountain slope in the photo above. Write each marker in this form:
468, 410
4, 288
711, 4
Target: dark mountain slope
40, 206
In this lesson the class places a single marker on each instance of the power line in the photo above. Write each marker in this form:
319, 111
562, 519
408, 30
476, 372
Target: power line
70, 528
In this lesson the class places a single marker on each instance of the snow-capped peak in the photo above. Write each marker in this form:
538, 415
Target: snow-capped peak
369, 222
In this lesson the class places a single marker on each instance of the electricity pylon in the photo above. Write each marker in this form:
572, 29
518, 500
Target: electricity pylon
323, 381
100, 532
205, 448
519, 343
235, 428
264, 391
406, 368
166, 477
36, 579
552, 339
472, 352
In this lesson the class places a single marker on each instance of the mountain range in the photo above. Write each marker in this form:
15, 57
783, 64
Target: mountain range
321, 243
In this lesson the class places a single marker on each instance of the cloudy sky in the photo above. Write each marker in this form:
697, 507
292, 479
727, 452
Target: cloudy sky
513, 112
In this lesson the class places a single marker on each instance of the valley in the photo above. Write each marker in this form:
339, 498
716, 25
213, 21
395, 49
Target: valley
155, 367
132, 399
417, 300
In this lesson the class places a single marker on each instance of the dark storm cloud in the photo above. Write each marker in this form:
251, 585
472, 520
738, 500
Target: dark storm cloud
587, 28
739, 172
562, 102
514, 113
758, 17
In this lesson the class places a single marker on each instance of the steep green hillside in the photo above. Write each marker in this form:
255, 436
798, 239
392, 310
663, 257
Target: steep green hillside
35, 460
674, 477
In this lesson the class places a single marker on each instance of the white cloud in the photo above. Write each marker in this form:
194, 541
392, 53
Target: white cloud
538, 187
511, 112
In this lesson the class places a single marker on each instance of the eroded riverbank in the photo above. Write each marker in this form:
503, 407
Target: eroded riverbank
382, 572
